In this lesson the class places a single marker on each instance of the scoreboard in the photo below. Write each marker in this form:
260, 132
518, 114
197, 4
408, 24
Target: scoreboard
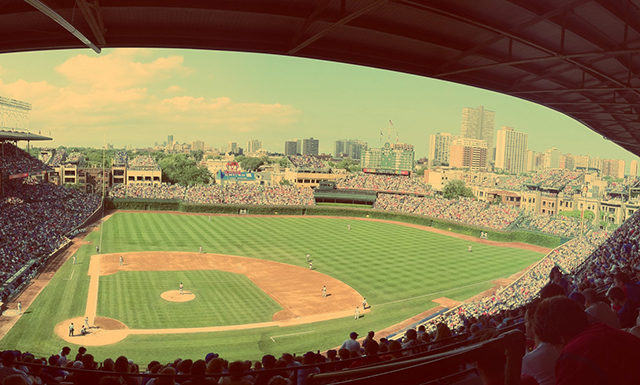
387, 160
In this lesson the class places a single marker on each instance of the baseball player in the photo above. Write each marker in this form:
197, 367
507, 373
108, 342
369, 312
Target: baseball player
121, 260
308, 258
469, 248
86, 322
74, 259
348, 227
20, 307
97, 249
364, 303
324, 292
181, 288
357, 312
310, 265
71, 330
200, 251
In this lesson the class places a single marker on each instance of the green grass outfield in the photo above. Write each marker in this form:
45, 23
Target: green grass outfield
133, 297
398, 269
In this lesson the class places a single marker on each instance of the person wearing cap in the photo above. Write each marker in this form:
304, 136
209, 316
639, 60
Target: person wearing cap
368, 338
357, 313
210, 357
351, 344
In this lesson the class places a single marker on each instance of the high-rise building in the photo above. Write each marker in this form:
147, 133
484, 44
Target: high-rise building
169, 141
596, 163
253, 145
339, 147
613, 168
633, 168
310, 146
468, 153
291, 148
478, 123
197, 145
511, 150
552, 158
351, 148
232, 147
569, 162
581, 161
531, 160
440, 148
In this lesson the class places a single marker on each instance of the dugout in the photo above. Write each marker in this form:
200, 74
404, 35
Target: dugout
327, 192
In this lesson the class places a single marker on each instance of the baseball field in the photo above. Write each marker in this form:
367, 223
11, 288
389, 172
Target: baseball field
251, 291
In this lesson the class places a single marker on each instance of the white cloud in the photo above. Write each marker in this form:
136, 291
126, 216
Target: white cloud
174, 89
115, 93
119, 69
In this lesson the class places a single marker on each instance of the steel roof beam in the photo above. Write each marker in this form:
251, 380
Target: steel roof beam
352, 16
96, 24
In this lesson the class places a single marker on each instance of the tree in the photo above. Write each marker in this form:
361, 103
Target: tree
182, 169
250, 164
349, 165
497, 200
284, 162
285, 182
456, 189
197, 155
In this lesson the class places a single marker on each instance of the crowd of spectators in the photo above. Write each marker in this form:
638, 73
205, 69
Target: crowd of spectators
120, 158
385, 183
143, 162
506, 302
58, 158
556, 225
464, 210
35, 217
216, 194
75, 157
16, 161
306, 162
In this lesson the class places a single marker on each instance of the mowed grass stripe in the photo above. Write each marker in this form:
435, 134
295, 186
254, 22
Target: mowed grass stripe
385, 262
133, 297
407, 259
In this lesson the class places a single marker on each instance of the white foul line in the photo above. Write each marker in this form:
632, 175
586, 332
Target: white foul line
71, 276
293, 334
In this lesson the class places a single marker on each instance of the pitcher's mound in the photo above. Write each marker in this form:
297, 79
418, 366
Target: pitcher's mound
175, 296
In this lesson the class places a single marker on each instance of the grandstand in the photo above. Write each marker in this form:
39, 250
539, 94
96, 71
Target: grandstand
565, 55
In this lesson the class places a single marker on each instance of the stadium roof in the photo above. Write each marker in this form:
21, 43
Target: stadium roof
20, 135
579, 57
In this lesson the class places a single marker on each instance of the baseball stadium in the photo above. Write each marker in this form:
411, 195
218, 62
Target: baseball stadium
243, 282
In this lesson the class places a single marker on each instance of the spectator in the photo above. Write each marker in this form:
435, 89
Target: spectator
598, 311
591, 354
351, 344
628, 308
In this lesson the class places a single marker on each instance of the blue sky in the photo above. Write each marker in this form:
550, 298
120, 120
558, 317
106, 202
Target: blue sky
139, 96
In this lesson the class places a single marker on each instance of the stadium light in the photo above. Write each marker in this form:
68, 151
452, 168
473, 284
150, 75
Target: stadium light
65, 24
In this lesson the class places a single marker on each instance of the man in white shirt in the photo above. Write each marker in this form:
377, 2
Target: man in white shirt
351, 344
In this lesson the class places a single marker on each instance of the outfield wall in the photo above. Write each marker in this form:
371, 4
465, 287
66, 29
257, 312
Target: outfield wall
492, 234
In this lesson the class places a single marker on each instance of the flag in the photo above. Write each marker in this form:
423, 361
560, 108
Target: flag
390, 122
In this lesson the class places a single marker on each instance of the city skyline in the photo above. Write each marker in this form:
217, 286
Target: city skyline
139, 96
